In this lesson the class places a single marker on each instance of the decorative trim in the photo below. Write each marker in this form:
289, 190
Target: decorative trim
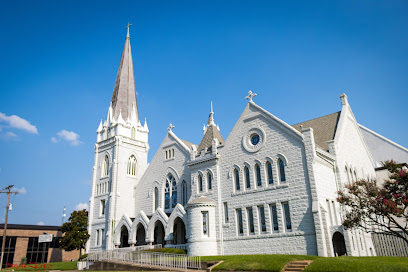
247, 139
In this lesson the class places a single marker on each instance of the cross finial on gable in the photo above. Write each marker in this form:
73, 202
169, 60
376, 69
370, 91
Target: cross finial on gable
170, 127
250, 95
128, 26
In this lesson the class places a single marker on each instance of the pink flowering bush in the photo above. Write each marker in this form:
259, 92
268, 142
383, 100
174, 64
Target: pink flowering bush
376, 208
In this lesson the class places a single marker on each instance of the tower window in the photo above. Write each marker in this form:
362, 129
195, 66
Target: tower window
205, 223
156, 198
102, 211
133, 133
200, 183
105, 168
226, 219
184, 192
209, 181
131, 166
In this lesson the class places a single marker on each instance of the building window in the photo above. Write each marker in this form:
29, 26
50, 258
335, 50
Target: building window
205, 223
97, 238
133, 133
247, 177
200, 183
170, 192
274, 217
105, 168
286, 213
236, 175
250, 216
262, 221
156, 198
226, 219
258, 175
102, 236
281, 170
184, 192
169, 153
269, 170
240, 226
36, 252
102, 212
10, 249
209, 181
131, 166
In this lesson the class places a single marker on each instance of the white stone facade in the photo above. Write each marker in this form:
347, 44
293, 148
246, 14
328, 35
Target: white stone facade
191, 199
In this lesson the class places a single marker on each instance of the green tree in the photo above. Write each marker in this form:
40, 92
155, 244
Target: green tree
75, 233
377, 208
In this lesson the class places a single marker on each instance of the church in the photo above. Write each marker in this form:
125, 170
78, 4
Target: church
269, 187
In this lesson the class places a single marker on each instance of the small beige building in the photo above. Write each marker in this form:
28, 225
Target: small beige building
23, 241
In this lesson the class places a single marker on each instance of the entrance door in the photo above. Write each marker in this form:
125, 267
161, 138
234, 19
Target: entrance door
339, 245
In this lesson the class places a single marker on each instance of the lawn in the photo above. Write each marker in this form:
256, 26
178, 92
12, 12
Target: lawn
45, 266
320, 264
361, 264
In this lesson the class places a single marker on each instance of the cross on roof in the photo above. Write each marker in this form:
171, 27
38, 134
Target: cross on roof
250, 95
128, 26
170, 127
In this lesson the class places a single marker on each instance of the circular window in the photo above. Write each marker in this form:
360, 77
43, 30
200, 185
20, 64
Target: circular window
255, 139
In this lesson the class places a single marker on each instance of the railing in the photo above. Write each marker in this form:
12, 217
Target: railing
137, 256
179, 246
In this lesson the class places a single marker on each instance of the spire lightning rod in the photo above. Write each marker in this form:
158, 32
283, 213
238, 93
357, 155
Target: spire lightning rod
128, 26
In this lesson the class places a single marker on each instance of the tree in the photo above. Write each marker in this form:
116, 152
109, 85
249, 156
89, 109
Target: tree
75, 233
378, 208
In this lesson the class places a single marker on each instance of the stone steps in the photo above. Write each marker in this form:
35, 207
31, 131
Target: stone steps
296, 266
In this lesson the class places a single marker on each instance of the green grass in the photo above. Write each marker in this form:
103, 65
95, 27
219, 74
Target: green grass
361, 264
46, 266
255, 262
319, 264
167, 250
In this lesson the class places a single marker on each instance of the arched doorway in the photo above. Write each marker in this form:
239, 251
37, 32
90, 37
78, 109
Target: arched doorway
339, 245
179, 232
158, 233
124, 237
140, 235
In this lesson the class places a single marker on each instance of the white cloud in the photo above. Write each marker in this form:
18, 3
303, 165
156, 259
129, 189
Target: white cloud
17, 122
20, 190
10, 134
81, 206
41, 223
68, 136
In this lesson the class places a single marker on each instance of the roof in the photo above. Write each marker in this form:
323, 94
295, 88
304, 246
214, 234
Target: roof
187, 143
324, 128
211, 133
124, 92
30, 227
201, 200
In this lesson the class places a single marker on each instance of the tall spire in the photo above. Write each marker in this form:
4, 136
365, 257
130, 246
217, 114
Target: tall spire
124, 92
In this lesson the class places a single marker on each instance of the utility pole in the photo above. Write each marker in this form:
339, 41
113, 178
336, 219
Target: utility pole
7, 191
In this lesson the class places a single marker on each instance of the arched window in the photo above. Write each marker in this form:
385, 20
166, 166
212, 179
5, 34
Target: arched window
258, 175
133, 133
281, 170
269, 170
209, 181
236, 177
184, 192
170, 192
156, 198
247, 177
131, 166
105, 168
200, 183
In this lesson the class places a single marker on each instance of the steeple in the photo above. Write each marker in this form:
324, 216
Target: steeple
211, 131
124, 92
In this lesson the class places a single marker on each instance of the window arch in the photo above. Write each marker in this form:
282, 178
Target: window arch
105, 167
209, 181
183, 192
281, 166
131, 166
258, 175
269, 171
236, 179
156, 198
170, 192
247, 177
200, 183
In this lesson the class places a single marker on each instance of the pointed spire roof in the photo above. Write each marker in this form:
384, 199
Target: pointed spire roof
212, 131
124, 92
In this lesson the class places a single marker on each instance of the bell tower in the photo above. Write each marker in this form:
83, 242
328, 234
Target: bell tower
120, 158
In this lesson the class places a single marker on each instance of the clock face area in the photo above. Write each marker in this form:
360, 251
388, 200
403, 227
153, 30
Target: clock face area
254, 139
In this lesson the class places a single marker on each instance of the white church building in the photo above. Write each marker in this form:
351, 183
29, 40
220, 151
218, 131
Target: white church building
269, 187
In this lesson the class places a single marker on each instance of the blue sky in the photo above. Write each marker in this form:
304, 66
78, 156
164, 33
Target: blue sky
59, 61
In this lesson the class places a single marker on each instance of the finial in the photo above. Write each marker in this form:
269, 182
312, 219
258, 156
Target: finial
127, 36
170, 127
212, 107
250, 96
